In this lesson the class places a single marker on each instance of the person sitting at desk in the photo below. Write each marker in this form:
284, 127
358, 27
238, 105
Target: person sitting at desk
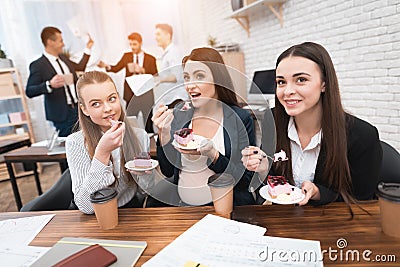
96, 154
213, 113
332, 155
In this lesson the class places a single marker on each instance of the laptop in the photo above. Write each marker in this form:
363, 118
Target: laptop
56, 145
262, 89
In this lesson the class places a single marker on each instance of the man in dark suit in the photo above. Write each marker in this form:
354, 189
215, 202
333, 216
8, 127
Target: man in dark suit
136, 62
54, 76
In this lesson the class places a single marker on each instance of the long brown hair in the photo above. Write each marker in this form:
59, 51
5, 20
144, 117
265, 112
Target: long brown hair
222, 80
336, 172
92, 132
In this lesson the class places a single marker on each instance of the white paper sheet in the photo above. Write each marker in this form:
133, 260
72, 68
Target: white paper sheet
21, 231
188, 245
215, 241
225, 251
140, 83
22, 256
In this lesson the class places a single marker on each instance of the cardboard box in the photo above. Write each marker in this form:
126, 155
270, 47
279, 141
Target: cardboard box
6, 85
17, 117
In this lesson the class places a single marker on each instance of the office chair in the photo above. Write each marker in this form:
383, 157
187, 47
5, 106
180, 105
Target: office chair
58, 197
390, 168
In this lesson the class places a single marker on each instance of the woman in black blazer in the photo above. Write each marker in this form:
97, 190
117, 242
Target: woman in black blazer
332, 154
213, 113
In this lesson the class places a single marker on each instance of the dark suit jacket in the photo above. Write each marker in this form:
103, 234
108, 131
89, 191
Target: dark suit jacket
149, 65
364, 154
41, 70
238, 133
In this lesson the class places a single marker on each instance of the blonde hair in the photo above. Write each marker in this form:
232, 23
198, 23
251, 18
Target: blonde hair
92, 132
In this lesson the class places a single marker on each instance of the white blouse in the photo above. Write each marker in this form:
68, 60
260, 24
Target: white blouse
89, 175
193, 178
304, 161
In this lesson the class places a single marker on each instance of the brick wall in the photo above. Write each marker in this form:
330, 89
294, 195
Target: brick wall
362, 37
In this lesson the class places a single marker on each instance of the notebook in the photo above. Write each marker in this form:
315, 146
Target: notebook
127, 252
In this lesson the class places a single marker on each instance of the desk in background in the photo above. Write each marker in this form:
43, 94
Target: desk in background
160, 226
31, 155
11, 144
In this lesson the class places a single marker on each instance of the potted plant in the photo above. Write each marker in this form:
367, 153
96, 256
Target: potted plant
212, 41
4, 61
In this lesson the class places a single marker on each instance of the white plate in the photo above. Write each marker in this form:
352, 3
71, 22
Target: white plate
264, 193
131, 166
201, 141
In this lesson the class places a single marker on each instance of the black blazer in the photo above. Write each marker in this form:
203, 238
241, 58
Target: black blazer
149, 65
41, 70
364, 154
238, 133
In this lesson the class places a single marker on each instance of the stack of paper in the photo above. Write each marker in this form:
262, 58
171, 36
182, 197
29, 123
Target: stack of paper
216, 241
15, 235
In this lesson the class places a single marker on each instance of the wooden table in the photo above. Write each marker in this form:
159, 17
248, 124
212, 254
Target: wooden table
160, 226
11, 144
31, 155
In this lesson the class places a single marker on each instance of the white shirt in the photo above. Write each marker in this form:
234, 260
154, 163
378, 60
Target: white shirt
55, 65
303, 161
141, 58
170, 64
193, 179
89, 175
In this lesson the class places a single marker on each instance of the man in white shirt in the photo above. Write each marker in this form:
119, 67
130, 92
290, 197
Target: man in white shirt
54, 76
169, 81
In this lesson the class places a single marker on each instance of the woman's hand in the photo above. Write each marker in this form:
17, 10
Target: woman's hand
311, 191
162, 119
254, 159
110, 140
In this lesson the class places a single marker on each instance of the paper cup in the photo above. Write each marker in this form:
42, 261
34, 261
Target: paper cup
105, 207
389, 203
221, 187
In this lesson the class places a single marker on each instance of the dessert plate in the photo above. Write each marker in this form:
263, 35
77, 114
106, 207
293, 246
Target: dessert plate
295, 196
200, 140
130, 165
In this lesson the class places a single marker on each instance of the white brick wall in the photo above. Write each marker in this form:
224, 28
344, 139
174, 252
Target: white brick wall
362, 37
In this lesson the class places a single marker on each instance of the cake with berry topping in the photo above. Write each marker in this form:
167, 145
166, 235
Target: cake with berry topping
183, 136
278, 185
143, 161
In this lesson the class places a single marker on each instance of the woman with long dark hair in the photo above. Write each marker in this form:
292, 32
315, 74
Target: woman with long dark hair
214, 114
332, 155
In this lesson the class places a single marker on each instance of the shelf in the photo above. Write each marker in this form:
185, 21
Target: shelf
11, 87
14, 137
13, 124
10, 97
7, 70
242, 15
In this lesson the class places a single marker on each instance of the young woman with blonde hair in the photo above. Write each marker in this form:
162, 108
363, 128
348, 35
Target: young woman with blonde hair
97, 153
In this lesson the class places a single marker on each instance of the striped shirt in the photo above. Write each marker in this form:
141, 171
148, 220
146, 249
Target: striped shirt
89, 175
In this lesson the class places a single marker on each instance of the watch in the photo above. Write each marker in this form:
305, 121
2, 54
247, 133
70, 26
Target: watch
48, 86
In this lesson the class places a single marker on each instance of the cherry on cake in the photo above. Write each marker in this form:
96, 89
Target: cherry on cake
183, 136
278, 186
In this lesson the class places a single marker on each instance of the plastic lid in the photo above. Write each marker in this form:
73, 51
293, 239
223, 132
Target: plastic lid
389, 191
103, 195
221, 180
